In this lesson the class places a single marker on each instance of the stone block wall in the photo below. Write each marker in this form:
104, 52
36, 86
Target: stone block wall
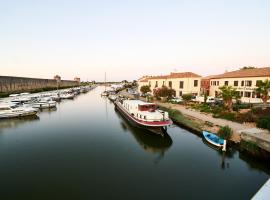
10, 84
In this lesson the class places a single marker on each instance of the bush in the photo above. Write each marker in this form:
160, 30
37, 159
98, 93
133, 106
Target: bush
263, 122
225, 132
225, 115
239, 106
187, 97
245, 117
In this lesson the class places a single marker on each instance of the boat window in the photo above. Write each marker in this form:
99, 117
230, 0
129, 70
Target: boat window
144, 117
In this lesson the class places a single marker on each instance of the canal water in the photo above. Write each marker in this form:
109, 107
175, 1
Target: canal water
86, 150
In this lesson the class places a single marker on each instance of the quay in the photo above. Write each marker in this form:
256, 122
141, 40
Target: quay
264, 192
241, 132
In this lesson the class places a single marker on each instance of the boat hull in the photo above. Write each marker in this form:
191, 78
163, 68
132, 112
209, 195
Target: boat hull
157, 129
213, 139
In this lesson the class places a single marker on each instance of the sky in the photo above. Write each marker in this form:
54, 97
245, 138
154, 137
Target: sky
131, 38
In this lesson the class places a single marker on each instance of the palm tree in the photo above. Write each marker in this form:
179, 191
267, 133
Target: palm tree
228, 93
263, 88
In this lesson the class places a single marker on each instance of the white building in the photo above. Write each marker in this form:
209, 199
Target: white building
244, 81
182, 83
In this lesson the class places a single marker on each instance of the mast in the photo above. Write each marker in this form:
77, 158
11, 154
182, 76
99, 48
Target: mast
105, 82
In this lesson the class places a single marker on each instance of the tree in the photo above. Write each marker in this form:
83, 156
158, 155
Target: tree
228, 93
164, 92
145, 88
263, 88
247, 67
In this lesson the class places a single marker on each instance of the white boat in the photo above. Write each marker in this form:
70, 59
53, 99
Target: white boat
43, 103
67, 96
8, 111
112, 97
104, 94
144, 115
14, 95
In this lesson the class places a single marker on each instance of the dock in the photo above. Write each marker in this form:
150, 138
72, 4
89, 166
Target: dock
264, 192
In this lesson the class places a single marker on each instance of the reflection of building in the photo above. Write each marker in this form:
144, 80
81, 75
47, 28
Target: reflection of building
182, 83
244, 81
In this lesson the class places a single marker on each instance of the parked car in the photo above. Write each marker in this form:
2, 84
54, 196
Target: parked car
175, 100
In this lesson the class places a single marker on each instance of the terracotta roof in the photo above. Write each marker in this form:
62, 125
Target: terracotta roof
257, 72
184, 75
144, 80
158, 77
208, 77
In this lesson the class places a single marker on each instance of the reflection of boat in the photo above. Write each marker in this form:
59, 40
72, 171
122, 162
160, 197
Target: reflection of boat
144, 115
213, 139
11, 123
149, 142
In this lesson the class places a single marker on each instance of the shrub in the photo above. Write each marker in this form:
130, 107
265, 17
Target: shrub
225, 115
245, 117
263, 122
225, 132
187, 97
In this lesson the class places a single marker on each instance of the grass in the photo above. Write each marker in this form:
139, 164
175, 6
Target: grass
180, 119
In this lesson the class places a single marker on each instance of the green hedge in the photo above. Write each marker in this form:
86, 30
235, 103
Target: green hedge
263, 122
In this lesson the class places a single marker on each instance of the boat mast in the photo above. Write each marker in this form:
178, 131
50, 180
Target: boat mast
105, 82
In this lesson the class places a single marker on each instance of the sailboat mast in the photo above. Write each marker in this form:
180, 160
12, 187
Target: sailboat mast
105, 82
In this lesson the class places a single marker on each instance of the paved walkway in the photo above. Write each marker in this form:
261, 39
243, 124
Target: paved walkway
206, 117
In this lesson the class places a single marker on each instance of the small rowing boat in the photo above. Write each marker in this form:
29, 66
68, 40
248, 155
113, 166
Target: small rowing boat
213, 139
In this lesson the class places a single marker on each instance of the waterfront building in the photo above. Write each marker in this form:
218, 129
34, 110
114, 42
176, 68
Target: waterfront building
205, 85
182, 83
243, 80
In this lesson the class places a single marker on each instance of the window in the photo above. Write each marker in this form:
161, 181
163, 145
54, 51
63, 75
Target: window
235, 83
226, 83
247, 94
163, 83
156, 84
170, 84
242, 83
180, 93
217, 82
195, 83
249, 83
181, 84
241, 93
150, 83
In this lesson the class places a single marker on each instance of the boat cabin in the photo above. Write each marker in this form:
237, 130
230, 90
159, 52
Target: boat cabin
147, 107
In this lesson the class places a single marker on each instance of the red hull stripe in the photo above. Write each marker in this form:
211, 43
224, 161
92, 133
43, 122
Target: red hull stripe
150, 124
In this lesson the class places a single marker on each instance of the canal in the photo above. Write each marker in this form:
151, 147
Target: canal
86, 150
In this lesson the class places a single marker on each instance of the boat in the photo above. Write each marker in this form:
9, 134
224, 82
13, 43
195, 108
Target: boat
9, 111
144, 115
67, 96
43, 103
112, 97
213, 139
104, 94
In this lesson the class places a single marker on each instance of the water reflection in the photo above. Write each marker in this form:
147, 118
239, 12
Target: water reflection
14, 123
149, 141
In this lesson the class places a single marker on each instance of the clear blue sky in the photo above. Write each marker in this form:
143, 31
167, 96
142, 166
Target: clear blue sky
131, 38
